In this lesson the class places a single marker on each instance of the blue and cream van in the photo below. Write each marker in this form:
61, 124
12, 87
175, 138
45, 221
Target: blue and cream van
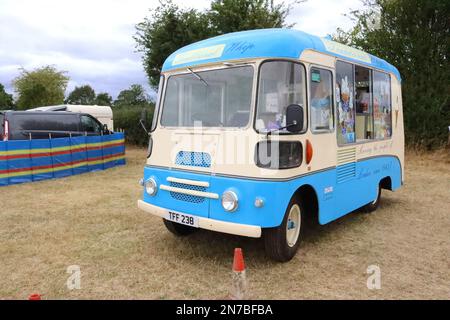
256, 131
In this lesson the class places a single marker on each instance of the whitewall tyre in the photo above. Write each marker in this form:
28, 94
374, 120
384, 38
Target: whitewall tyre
281, 243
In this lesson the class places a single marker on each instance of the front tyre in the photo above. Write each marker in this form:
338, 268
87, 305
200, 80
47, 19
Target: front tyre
177, 229
281, 243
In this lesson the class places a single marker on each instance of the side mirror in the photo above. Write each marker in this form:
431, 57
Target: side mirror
294, 118
105, 129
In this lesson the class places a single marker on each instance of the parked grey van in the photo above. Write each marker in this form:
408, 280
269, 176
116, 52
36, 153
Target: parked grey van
24, 125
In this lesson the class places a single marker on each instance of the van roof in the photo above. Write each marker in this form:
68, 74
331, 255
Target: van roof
268, 43
97, 111
49, 113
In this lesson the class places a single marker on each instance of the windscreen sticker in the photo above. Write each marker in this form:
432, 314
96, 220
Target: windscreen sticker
199, 54
315, 76
346, 51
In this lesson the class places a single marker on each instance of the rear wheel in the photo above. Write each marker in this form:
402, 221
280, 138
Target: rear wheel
372, 206
281, 243
177, 229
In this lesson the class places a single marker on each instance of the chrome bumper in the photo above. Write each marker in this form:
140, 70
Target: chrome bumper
208, 224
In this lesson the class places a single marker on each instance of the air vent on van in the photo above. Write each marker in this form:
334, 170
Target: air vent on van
346, 164
193, 159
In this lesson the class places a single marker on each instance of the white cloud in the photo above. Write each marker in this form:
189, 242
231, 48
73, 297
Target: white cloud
323, 17
92, 39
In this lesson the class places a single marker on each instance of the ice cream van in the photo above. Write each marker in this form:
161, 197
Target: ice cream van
254, 132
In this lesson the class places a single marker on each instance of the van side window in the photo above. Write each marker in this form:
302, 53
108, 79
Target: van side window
364, 105
382, 107
321, 100
344, 92
88, 124
281, 83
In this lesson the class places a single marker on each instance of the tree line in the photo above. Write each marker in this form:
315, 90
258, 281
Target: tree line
46, 86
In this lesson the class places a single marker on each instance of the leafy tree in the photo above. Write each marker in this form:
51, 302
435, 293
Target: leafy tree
170, 28
103, 99
83, 95
413, 35
128, 119
237, 15
41, 87
135, 96
6, 100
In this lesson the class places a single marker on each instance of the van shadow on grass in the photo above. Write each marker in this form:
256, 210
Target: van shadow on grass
314, 232
219, 247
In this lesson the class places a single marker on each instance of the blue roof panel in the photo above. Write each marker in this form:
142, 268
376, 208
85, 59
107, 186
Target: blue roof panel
266, 43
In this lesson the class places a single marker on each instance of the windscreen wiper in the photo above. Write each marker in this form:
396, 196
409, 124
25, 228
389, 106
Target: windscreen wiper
198, 76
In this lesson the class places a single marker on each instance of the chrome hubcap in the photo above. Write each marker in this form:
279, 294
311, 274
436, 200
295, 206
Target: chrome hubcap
293, 225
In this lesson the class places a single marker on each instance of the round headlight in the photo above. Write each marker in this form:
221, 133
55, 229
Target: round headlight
151, 187
229, 201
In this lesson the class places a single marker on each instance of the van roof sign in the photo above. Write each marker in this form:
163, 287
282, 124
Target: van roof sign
199, 54
346, 51
267, 43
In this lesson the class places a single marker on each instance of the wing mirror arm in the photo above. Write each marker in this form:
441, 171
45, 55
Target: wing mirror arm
294, 123
142, 121
143, 126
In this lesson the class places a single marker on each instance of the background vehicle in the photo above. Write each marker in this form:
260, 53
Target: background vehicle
292, 127
104, 114
24, 125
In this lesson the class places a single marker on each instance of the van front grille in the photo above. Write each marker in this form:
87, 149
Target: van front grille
187, 197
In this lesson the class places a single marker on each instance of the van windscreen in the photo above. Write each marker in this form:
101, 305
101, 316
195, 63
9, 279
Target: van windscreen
44, 122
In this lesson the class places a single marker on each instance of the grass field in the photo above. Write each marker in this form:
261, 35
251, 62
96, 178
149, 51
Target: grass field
91, 220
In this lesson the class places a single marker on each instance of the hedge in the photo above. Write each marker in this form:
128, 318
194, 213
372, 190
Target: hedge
127, 119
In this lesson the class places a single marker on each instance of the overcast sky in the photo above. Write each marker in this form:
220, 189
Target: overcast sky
92, 39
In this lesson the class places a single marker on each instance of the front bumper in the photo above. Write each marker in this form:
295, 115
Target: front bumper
208, 224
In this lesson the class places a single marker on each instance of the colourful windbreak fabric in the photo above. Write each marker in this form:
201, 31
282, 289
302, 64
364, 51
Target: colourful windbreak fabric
33, 160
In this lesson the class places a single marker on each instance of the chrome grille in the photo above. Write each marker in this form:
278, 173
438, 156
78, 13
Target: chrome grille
187, 197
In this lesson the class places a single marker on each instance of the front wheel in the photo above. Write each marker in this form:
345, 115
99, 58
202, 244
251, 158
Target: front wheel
177, 229
281, 243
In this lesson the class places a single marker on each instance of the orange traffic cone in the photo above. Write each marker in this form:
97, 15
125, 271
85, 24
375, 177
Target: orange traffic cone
239, 284
34, 296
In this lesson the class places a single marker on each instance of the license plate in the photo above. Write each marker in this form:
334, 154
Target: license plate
183, 218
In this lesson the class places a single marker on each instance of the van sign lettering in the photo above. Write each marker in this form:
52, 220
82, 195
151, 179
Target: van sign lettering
199, 54
346, 51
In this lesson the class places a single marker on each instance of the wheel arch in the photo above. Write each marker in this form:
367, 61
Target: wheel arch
386, 183
308, 195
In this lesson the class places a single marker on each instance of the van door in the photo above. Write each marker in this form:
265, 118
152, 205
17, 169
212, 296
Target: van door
323, 140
